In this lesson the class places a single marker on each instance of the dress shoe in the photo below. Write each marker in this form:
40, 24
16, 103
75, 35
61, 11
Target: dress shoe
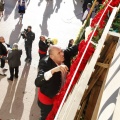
26, 59
16, 77
29, 60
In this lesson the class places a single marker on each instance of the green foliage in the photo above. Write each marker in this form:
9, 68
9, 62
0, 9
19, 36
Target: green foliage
116, 23
81, 34
95, 39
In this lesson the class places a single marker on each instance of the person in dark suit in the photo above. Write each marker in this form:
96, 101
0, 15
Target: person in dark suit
29, 37
51, 76
14, 61
3, 52
71, 42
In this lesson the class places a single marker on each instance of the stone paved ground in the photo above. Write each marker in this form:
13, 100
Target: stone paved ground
58, 19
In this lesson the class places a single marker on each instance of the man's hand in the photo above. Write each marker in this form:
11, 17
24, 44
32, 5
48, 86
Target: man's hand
25, 34
61, 68
0, 56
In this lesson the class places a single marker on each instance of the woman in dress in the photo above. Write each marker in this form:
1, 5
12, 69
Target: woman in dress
21, 8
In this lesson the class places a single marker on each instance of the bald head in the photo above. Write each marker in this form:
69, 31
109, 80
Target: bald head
56, 54
52, 49
2, 40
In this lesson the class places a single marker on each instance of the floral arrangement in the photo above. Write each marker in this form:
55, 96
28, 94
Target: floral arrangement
116, 23
88, 54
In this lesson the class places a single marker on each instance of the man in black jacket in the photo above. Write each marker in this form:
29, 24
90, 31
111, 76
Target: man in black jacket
3, 52
50, 78
29, 37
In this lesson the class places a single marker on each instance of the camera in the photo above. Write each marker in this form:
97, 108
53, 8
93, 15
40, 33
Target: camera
49, 41
23, 34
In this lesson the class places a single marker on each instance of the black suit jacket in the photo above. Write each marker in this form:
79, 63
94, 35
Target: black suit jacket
51, 87
29, 39
3, 50
14, 58
43, 46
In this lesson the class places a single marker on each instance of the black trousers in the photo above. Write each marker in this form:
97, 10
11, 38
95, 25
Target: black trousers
45, 109
42, 56
2, 63
12, 69
28, 49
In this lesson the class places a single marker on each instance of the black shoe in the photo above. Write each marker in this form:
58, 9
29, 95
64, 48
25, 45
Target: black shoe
26, 59
16, 76
29, 60
10, 79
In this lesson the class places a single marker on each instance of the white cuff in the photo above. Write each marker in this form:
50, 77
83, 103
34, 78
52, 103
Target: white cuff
47, 75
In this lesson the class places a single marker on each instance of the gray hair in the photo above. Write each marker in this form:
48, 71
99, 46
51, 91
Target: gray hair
15, 46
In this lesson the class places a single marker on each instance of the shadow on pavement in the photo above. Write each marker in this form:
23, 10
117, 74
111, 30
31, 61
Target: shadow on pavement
27, 2
57, 5
1, 77
48, 11
78, 8
16, 14
18, 105
13, 106
34, 108
15, 34
40, 2
5, 111
9, 7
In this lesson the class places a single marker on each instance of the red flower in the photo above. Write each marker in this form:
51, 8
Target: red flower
95, 33
102, 24
96, 18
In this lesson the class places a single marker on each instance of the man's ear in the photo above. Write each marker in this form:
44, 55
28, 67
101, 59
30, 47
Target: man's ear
51, 56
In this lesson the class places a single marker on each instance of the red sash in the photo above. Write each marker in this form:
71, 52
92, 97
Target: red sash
44, 99
41, 52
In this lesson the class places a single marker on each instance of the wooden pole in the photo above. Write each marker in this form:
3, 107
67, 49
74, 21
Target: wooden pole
90, 12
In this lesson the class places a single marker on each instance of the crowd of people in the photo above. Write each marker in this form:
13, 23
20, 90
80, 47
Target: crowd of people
52, 68
12, 57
